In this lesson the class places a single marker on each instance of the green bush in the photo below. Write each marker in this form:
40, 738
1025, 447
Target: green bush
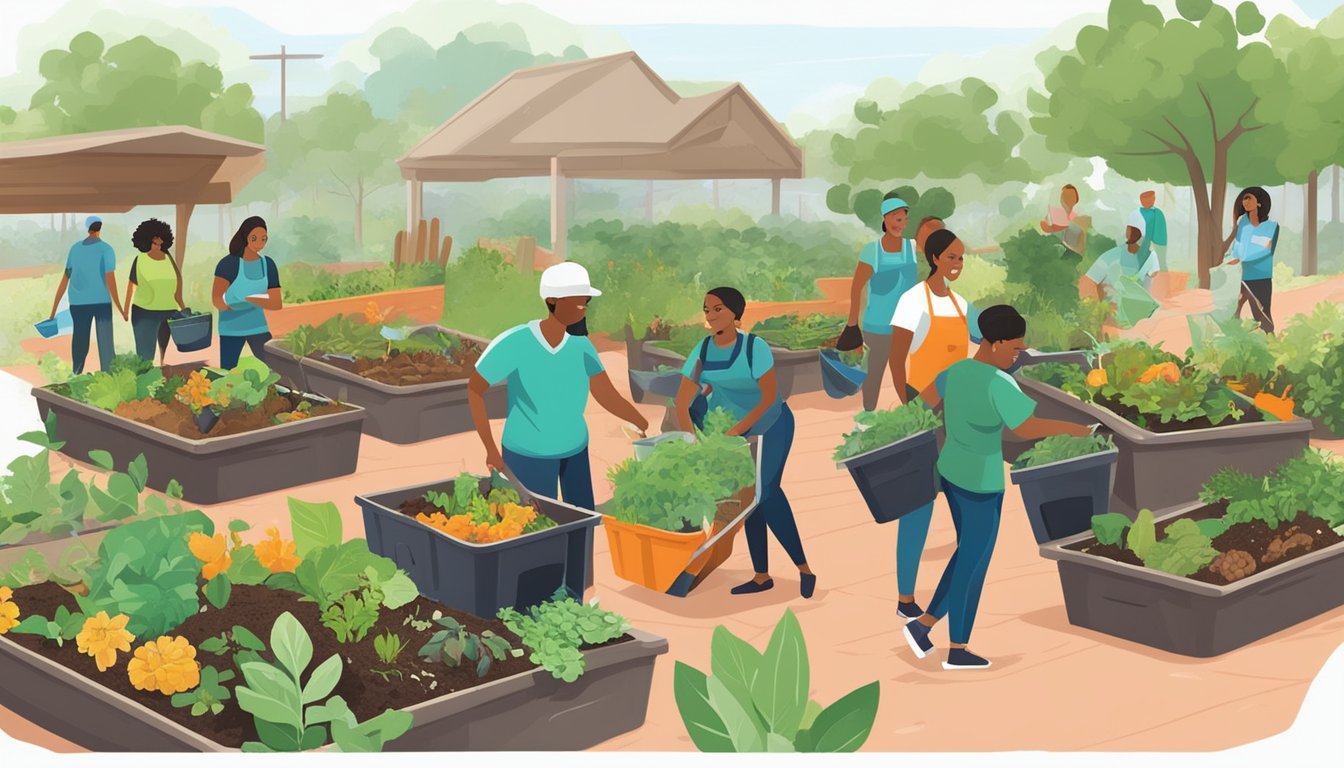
485, 296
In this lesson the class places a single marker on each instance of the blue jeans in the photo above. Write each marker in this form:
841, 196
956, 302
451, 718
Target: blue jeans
100, 317
150, 328
541, 476
976, 519
774, 511
912, 531
231, 348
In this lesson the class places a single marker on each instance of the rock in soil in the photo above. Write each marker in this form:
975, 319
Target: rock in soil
1233, 565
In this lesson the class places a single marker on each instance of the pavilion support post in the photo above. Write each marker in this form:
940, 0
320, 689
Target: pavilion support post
180, 231
775, 185
415, 203
559, 222
715, 187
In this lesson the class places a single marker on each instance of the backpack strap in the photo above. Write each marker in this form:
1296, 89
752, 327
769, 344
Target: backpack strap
751, 342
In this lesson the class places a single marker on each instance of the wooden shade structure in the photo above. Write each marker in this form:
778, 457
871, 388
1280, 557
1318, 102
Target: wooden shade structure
606, 118
115, 171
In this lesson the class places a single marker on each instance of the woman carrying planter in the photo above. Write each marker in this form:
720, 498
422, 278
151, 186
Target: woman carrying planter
154, 289
979, 400
887, 268
550, 366
246, 284
739, 370
931, 330
1253, 240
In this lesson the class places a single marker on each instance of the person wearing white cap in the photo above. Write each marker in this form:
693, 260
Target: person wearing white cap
549, 366
90, 274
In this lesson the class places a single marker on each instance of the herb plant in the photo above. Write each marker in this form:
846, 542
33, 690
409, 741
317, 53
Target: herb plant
1320, 388
209, 696
800, 333
680, 485
62, 626
1062, 448
1110, 527
555, 631
454, 644
352, 615
388, 646
239, 643
758, 702
331, 567
876, 429
1312, 482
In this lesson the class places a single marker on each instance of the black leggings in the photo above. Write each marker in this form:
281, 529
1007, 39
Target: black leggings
1259, 294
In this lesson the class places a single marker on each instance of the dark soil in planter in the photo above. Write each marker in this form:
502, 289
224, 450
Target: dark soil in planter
1255, 538
176, 418
256, 608
403, 370
1150, 423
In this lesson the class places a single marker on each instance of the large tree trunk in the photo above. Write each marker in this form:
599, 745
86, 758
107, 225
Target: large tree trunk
1209, 212
1309, 220
359, 213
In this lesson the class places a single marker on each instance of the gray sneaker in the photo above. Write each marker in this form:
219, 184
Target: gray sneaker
960, 658
917, 637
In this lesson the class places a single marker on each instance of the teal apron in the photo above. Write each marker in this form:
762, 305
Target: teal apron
893, 274
246, 318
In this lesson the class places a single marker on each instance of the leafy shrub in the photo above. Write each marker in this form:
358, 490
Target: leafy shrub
1062, 448
1234, 349
1312, 482
1320, 388
681, 484
303, 282
799, 333
486, 296
879, 428
557, 629
454, 644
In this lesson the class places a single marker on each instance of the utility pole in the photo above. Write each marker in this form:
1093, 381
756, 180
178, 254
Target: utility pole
283, 57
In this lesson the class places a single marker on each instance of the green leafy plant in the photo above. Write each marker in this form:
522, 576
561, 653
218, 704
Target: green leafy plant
1183, 550
289, 713
799, 333
209, 696
239, 644
352, 615
555, 631
1110, 528
63, 625
247, 386
1312, 482
1142, 534
1062, 448
418, 624
330, 568
680, 485
758, 702
876, 429
717, 422
1234, 349
388, 646
454, 644
1320, 388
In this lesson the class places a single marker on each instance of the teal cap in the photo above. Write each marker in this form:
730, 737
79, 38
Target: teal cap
892, 204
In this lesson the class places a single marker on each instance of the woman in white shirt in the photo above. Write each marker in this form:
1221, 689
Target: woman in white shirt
932, 329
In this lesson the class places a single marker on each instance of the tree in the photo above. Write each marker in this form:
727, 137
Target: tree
1185, 101
136, 83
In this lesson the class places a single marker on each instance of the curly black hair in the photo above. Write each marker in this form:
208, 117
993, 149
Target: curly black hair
143, 238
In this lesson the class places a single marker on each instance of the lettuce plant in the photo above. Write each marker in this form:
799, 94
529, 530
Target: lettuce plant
1062, 448
880, 428
555, 631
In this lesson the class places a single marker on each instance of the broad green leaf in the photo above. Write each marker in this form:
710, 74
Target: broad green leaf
1142, 534
174, 489
313, 738
218, 590
845, 725
245, 568
101, 459
703, 723
314, 525
332, 710
238, 526
776, 743
276, 737
1215, 527
398, 590
246, 639
733, 661
323, 680
38, 625
272, 706
780, 690
138, 471
372, 734
1110, 527
744, 729
290, 644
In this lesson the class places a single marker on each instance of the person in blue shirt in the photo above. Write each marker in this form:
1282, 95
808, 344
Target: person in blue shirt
550, 367
887, 268
739, 372
90, 275
1127, 260
246, 284
1253, 240
1154, 229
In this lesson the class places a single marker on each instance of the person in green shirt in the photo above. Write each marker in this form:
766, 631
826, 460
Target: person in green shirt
154, 289
979, 401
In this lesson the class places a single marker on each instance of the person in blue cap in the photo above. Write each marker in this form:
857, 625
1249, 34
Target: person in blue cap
550, 367
90, 275
887, 268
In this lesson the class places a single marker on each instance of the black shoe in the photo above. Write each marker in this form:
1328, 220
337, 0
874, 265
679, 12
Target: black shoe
807, 584
960, 658
752, 587
910, 610
917, 636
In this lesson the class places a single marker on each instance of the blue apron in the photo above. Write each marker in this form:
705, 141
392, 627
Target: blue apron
893, 274
246, 318
718, 370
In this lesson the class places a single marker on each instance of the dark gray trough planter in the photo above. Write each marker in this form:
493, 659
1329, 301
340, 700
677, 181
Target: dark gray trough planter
1062, 497
1161, 470
611, 698
796, 372
1189, 617
213, 469
899, 478
397, 414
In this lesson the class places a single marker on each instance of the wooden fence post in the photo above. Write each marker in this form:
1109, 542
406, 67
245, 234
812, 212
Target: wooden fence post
525, 253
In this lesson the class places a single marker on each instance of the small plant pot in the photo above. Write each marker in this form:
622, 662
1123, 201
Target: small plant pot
897, 479
206, 420
1063, 496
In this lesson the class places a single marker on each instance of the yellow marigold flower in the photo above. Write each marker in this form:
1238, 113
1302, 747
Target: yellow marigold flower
1096, 377
167, 665
9, 612
102, 637
276, 553
211, 550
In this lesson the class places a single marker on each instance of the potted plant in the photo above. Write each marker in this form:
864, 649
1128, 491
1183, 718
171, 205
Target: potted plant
796, 342
203, 642
135, 409
892, 456
1065, 482
474, 545
411, 380
1253, 556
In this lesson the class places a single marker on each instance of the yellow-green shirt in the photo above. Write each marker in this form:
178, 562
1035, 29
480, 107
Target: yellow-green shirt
155, 283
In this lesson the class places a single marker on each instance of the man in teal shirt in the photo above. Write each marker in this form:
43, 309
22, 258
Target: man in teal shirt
1154, 229
549, 366
979, 401
90, 274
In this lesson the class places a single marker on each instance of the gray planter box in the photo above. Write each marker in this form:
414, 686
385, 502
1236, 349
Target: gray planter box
528, 711
797, 373
1062, 497
1190, 617
396, 414
213, 469
1161, 470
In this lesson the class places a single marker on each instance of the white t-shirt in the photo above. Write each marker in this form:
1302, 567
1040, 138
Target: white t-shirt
912, 313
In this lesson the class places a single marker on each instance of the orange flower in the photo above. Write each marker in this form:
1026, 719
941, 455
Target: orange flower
212, 551
276, 553
373, 315
102, 637
1096, 377
167, 665
1167, 371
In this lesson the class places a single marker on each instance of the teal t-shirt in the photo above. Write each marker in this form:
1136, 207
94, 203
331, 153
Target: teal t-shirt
979, 401
893, 275
1119, 262
1254, 245
736, 388
87, 266
548, 389
1154, 228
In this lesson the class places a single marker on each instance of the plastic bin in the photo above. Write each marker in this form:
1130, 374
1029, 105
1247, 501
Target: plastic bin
645, 446
1063, 496
193, 332
657, 385
482, 578
839, 378
48, 328
897, 479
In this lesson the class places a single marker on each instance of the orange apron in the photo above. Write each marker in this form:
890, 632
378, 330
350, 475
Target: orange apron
946, 342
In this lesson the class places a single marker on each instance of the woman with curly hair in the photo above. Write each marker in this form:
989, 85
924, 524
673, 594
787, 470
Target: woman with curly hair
154, 290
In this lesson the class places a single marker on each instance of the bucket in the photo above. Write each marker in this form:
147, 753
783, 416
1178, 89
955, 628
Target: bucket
192, 333
48, 328
645, 446
838, 378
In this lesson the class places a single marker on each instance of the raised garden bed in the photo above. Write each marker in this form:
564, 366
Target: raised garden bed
893, 456
408, 396
1062, 497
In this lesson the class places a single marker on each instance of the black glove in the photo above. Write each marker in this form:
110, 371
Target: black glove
850, 339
